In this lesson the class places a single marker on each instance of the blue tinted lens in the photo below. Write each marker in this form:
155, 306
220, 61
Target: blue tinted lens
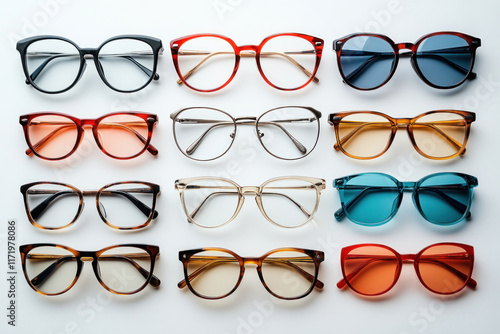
370, 199
367, 61
444, 60
443, 198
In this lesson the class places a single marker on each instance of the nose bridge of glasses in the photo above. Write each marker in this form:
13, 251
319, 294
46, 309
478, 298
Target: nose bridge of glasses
408, 258
247, 50
402, 122
408, 186
89, 53
251, 260
405, 46
250, 190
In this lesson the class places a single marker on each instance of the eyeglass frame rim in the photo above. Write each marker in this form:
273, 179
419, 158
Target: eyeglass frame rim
468, 116
150, 119
471, 181
315, 255
345, 251
152, 250
179, 185
177, 43
154, 187
315, 112
474, 43
154, 43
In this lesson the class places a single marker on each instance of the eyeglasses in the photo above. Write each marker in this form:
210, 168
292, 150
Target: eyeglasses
52, 269
208, 62
128, 205
121, 135
286, 273
442, 59
288, 201
373, 198
439, 134
54, 64
372, 270
287, 133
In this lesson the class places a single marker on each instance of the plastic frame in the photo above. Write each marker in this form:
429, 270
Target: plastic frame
80, 256
340, 183
149, 212
154, 43
316, 257
246, 120
150, 119
246, 51
473, 42
182, 184
407, 258
409, 124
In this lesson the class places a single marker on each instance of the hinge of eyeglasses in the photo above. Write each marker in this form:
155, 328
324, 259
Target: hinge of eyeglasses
24, 121
476, 42
160, 52
318, 43
338, 182
151, 119
337, 45
175, 46
334, 119
470, 117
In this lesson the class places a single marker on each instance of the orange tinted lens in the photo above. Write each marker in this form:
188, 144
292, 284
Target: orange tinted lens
52, 136
371, 270
364, 135
445, 268
123, 136
440, 135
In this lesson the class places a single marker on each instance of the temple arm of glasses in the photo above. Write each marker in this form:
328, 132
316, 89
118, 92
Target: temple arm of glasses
61, 259
360, 126
284, 55
63, 126
365, 190
192, 148
195, 211
210, 261
435, 259
54, 55
38, 210
378, 56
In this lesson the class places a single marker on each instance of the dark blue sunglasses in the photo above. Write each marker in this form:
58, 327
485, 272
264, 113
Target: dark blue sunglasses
373, 198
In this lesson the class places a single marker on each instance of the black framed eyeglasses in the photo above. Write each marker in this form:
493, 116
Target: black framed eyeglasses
54, 64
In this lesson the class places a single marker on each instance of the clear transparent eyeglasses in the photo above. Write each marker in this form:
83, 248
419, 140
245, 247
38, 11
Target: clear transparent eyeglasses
288, 201
287, 133
54, 64
52, 269
128, 205
286, 273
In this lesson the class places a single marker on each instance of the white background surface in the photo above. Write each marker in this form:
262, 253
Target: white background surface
408, 308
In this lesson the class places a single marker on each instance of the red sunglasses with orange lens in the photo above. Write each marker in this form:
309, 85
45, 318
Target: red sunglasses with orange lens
373, 269
120, 135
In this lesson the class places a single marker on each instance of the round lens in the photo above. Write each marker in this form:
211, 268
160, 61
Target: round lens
124, 270
364, 136
210, 202
51, 270
367, 61
204, 133
123, 136
126, 206
445, 269
288, 133
53, 206
443, 198
127, 64
213, 274
288, 62
53, 64
444, 60
52, 137
370, 199
371, 270
206, 63
440, 135
289, 202
288, 274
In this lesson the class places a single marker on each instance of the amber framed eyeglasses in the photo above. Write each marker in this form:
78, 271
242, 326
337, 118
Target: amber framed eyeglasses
208, 62
128, 205
52, 269
288, 201
120, 135
437, 134
286, 273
